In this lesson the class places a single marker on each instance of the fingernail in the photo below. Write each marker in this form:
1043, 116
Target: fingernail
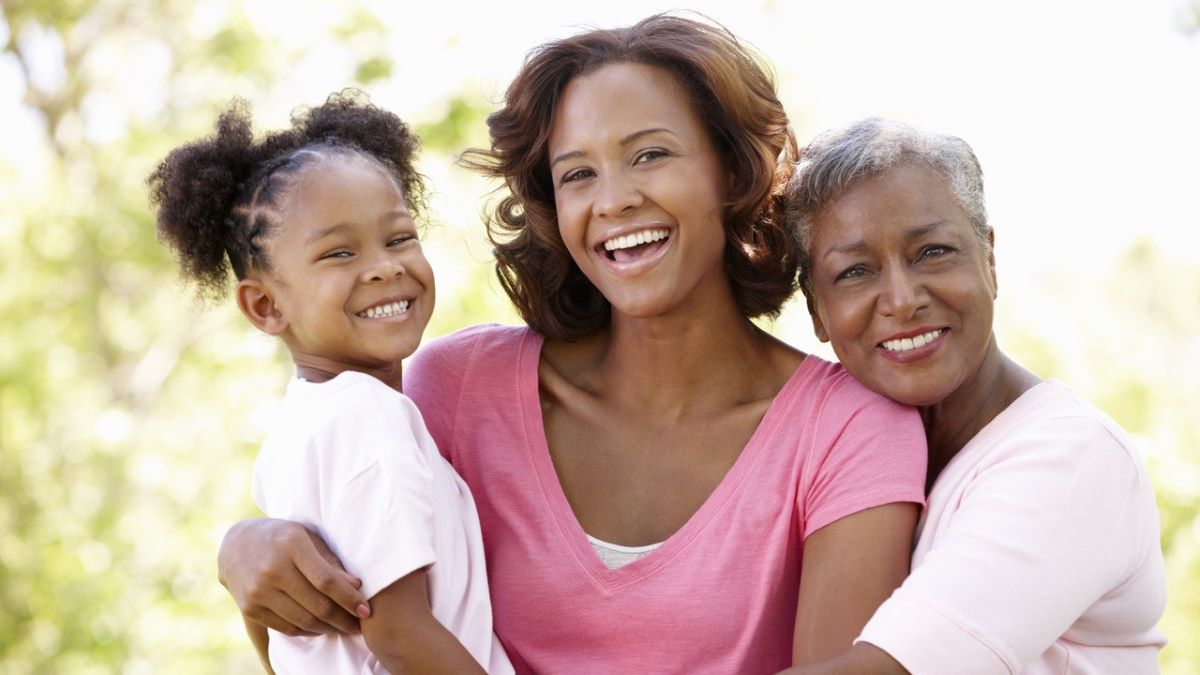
362, 611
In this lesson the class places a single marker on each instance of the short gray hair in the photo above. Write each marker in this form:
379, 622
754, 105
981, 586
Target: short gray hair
837, 159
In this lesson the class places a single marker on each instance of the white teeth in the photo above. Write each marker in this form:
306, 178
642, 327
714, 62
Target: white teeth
636, 239
381, 311
905, 344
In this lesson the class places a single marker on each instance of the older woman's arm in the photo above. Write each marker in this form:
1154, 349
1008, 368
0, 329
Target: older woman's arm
850, 567
284, 577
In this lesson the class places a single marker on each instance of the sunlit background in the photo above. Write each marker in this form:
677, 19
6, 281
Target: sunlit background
130, 413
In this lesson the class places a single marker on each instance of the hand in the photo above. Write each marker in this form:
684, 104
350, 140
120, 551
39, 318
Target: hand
284, 577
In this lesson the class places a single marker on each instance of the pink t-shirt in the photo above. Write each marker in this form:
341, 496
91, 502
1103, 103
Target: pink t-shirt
718, 596
1038, 553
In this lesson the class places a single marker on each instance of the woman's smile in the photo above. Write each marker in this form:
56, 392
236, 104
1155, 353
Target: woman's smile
639, 189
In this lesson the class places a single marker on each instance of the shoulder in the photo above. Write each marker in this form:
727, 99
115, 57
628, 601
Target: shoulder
455, 355
840, 399
1053, 423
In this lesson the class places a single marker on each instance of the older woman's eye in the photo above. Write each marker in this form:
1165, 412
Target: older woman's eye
934, 251
851, 272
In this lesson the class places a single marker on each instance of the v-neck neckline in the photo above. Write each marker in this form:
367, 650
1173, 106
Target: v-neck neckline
574, 537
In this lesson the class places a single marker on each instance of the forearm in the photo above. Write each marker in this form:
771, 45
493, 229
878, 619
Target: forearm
406, 638
258, 636
421, 647
862, 659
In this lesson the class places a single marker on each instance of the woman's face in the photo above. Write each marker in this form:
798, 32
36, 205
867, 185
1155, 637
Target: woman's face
901, 285
639, 189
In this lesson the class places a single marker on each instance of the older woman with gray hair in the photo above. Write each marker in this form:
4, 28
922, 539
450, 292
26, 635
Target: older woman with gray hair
1038, 551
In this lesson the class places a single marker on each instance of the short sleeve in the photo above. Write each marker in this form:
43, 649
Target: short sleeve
378, 515
1039, 536
433, 379
870, 451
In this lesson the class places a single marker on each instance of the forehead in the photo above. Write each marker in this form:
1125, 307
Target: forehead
895, 202
344, 182
617, 99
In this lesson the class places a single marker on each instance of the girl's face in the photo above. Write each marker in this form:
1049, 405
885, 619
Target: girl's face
640, 190
902, 287
349, 284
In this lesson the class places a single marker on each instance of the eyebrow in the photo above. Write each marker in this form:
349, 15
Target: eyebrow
623, 142
860, 245
321, 234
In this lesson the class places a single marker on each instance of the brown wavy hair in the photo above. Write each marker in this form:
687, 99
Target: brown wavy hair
733, 93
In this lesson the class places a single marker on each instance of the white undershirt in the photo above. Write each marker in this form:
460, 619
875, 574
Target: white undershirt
615, 555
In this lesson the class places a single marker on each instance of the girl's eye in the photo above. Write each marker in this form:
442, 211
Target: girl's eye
577, 174
340, 253
649, 155
397, 241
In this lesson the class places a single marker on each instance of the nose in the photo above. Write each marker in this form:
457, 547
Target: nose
903, 294
384, 265
616, 193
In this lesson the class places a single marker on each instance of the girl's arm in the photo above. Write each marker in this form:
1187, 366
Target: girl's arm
850, 567
406, 638
283, 576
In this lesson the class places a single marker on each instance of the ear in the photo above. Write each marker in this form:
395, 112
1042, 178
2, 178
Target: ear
815, 314
991, 258
258, 306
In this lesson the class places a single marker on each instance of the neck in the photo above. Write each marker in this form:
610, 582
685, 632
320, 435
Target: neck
321, 369
956, 419
686, 362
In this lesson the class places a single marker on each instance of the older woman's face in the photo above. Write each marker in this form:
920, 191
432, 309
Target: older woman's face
901, 285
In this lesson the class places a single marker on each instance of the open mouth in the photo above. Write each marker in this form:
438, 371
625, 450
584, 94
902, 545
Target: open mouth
635, 245
901, 345
382, 311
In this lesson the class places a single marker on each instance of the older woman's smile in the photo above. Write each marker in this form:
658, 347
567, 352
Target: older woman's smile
914, 345
902, 285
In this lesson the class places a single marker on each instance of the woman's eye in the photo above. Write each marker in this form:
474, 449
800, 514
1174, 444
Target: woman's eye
649, 155
577, 174
934, 251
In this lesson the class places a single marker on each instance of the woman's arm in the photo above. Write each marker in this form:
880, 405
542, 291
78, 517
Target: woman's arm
406, 638
284, 577
850, 567
258, 635
862, 659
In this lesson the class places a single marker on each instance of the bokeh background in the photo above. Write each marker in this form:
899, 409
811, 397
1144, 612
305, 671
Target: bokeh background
130, 413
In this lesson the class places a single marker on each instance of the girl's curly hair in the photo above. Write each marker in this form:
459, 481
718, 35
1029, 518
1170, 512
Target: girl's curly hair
219, 197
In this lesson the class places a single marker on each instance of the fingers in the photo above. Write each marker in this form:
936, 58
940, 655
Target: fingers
273, 621
324, 573
299, 619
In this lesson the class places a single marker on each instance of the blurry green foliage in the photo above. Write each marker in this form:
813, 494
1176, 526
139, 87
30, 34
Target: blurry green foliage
129, 414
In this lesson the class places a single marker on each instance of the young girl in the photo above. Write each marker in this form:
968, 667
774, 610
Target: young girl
317, 224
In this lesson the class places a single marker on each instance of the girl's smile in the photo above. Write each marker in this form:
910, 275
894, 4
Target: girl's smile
349, 286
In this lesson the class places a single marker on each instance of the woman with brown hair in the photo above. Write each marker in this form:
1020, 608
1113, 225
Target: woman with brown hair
662, 486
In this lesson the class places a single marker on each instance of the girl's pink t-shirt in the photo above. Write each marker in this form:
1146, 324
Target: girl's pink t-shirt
718, 596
